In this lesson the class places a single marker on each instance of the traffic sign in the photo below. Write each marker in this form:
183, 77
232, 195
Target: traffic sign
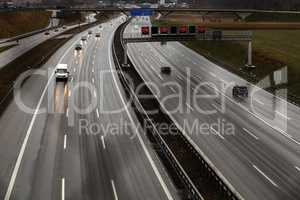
141, 12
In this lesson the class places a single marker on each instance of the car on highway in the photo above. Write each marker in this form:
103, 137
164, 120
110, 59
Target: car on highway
240, 91
165, 70
47, 33
64, 27
78, 47
84, 38
97, 35
90, 32
62, 72
100, 26
56, 30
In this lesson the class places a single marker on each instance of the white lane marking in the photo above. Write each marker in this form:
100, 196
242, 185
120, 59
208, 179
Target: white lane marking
189, 106
244, 107
65, 141
114, 189
282, 115
67, 112
254, 136
24, 144
217, 133
97, 112
258, 117
160, 179
173, 89
74, 69
63, 189
217, 108
93, 70
264, 175
95, 94
297, 168
69, 93
259, 101
180, 77
214, 75
103, 142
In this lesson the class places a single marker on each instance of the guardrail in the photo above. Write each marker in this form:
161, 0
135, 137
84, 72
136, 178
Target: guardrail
193, 191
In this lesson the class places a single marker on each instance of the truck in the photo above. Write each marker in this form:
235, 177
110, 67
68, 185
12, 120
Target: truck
62, 72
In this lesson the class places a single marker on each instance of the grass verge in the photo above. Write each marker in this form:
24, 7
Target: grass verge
19, 22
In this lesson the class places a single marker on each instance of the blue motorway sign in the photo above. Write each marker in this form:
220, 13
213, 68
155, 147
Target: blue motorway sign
141, 12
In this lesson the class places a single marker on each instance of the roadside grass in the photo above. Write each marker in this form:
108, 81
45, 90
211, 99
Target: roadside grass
16, 23
6, 47
272, 50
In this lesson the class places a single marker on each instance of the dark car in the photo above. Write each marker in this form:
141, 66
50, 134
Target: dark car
240, 91
166, 69
47, 33
78, 47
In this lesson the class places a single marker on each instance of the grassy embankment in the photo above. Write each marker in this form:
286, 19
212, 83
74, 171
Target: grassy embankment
274, 47
16, 23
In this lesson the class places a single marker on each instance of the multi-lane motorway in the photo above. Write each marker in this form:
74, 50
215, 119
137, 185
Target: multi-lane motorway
261, 159
43, 156
56, 152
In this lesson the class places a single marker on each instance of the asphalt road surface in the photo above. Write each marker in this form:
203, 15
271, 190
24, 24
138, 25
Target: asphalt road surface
51, 154
261, 159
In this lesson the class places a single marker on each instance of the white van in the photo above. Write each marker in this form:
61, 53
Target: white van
62, 72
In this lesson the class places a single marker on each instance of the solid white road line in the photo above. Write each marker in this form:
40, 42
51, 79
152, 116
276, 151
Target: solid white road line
114, 189
97, 112
63, 189
103, 142
93, 80
160, 179
297, 168
264, 175
24, 144
260, 102
282, 115
214, 75
65, 141
220, 135
254, 136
